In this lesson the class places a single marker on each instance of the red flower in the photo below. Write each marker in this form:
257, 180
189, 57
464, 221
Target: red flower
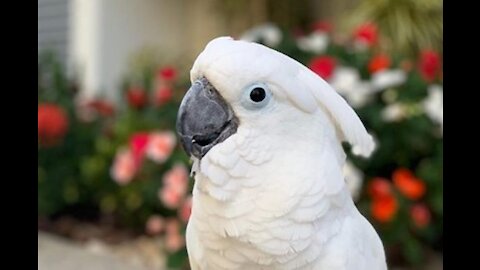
138, 146
167, 73
410, 186
420, 215
429, 65
102, 107
323, 66
384, 209
89, 110
379, 188
136, 97
322, 26
162, 95
366, 33
378, 63
52, 124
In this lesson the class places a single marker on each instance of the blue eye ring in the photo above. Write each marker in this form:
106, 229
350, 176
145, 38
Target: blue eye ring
256, 96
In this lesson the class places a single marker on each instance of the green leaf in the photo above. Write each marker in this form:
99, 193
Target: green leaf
177, 259
413, 251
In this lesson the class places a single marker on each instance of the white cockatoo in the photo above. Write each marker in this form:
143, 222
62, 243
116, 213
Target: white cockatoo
264, 133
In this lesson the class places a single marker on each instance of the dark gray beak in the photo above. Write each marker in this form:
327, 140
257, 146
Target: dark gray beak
204, 119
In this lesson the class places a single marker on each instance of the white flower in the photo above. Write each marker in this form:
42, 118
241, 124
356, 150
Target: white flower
433, 104
353, 178
316, 42
347, 82
360, 96
388, 78
268, 33
345, 79
394, 112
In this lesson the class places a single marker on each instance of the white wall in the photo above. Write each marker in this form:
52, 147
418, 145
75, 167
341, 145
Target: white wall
53, 27
105, 33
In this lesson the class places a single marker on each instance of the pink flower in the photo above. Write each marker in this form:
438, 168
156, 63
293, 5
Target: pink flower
155, 224
138, 146
186, 209
169, 197
175, 184
174, 240
177, 179
124, 168
160, 145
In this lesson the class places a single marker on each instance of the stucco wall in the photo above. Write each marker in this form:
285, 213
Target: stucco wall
105, 33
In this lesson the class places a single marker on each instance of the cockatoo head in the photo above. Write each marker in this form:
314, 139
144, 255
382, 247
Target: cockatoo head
238, 84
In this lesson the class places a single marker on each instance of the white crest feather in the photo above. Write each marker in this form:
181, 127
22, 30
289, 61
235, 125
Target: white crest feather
224, 58
352, 129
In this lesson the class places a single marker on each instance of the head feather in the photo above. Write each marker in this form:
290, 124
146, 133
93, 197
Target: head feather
224, 58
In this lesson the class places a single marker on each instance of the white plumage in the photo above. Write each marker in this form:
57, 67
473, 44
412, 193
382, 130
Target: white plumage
272, 195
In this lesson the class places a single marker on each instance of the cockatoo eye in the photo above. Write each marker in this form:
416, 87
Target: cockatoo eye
257, 94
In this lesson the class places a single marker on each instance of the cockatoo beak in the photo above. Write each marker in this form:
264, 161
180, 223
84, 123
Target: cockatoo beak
204, 119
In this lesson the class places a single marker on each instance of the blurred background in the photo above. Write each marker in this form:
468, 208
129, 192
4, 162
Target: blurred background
113, 182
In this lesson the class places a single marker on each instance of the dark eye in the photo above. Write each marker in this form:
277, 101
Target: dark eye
257, 94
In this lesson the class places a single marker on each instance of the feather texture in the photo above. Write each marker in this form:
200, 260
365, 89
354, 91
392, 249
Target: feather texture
272, 195
224, 57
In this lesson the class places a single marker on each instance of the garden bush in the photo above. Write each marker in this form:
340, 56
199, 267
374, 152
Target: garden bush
124, 160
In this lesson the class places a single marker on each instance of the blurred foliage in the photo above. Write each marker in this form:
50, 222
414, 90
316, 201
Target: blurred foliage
407, 26
77, 173
58, 184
